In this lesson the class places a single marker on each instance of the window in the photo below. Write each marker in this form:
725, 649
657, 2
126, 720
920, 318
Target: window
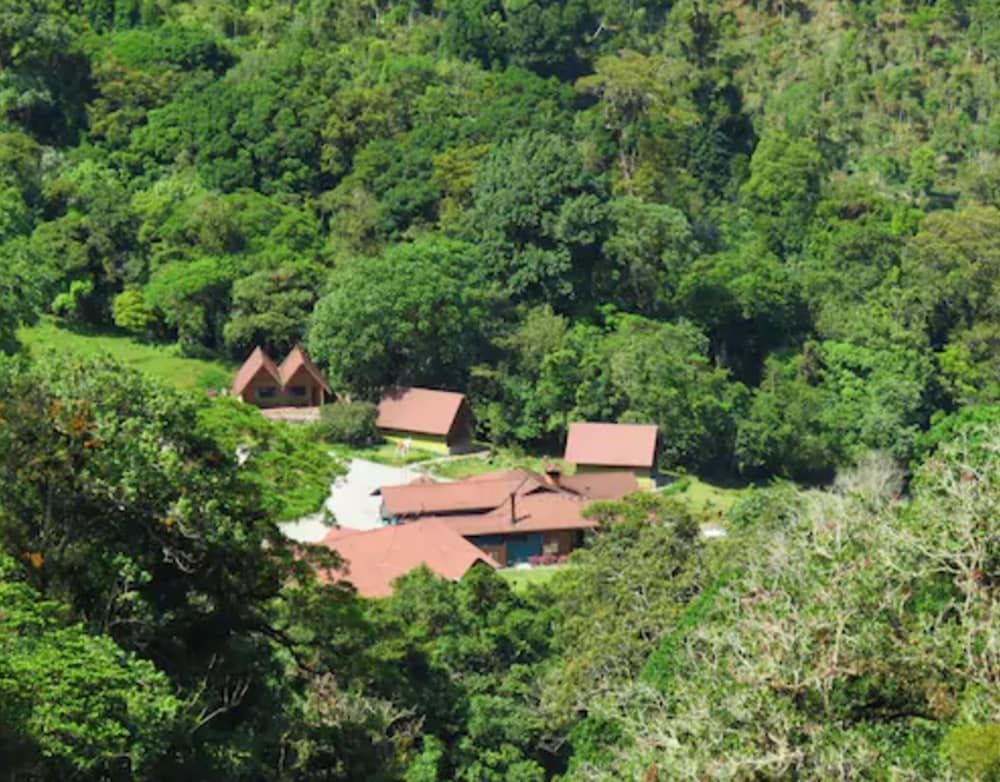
267, 392
297, 391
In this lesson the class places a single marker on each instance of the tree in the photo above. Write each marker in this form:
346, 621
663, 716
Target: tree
625, 589
648, 372
748, 302
649, 247
951, 283
783, 189
832, 638
271, 308
539, 218
192, 298
409, 316
147, 531
130, 312
787, 428
24, 282
125, 507
72, 702
464, 656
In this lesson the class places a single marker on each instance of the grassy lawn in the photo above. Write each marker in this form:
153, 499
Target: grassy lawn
497, 459
158, 361
383, 453
522, 579
706, 500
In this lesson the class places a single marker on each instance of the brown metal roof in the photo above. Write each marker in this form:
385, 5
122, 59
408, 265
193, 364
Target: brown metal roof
257, 362
419, 410
375, 558
297, 359
483, 493
611, 485
425, 499
538, 512
611, 445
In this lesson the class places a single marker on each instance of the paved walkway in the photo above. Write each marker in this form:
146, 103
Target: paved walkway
351, 501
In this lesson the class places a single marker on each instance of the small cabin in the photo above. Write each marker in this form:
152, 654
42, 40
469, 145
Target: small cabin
297, 382
426, 419
602, 447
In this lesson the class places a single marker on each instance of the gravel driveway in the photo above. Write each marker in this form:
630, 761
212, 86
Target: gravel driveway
350, 500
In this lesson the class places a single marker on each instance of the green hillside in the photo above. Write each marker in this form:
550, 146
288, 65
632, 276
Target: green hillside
158, 361
770, 228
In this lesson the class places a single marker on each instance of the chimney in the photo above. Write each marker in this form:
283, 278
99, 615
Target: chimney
552, 473
513, 509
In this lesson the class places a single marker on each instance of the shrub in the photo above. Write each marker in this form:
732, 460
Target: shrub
131, 312
974, 751
352, 423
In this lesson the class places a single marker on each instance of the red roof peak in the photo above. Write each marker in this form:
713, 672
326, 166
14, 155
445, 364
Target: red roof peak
375, 558
611, 445
257, 362
419, 410
297, 359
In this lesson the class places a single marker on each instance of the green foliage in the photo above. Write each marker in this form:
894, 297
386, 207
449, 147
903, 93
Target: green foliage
783, 188
769, 228
131, 312
72, 702
624, 589
539, 217
270, 309
974, 751
352, 423
190, 297
292, 471
464, 654
409, 316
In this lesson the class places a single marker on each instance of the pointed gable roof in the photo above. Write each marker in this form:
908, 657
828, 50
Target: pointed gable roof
258, 362
611, 445
419, 410
297, 359
377, 557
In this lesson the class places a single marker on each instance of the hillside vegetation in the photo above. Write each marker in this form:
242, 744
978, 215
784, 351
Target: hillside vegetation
48, 340
770, 227
156, 624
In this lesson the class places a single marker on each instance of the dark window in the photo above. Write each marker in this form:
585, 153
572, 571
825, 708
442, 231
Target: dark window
267, 392
299, 391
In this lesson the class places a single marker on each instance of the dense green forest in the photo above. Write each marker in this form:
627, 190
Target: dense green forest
770, 227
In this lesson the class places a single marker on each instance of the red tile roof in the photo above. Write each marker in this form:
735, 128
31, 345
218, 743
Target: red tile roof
612, 485
419, 410
258, 362
481, 494
297, 359
539, 512
375, 558
611, 445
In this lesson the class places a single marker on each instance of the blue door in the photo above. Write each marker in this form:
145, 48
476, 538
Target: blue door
521, 547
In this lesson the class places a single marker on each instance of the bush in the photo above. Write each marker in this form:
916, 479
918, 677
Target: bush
974, 751
352, 423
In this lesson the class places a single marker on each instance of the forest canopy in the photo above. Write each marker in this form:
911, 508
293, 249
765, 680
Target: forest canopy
800, 199
771, 228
